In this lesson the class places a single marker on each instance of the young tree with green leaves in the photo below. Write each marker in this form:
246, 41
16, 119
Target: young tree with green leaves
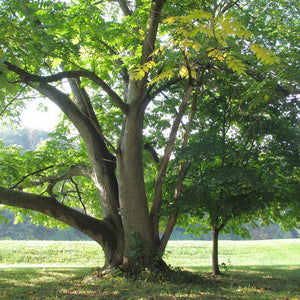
127, 76
243, 162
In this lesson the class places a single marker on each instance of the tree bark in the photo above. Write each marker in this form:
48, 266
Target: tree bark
157, 200
132, 195
140, 244
103, 232
215, 254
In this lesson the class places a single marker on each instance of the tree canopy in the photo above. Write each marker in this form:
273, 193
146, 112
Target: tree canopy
129, 76
242, 163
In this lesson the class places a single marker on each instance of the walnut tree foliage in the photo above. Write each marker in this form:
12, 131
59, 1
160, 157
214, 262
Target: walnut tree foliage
133, 79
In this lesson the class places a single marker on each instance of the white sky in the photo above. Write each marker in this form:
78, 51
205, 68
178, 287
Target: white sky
35, 118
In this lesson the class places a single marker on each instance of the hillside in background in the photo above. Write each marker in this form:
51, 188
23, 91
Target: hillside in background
29, 139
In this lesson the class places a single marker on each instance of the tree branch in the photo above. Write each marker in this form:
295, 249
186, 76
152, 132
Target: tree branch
152, 26
119, 63
102, 161
165, 161
161, 89
84, 103
76, 170
27, 77
11, 102
124, 6
97, 229
79, 195
28, 175
180, 177
152, 151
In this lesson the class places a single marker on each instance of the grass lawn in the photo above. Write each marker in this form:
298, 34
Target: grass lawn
64, 270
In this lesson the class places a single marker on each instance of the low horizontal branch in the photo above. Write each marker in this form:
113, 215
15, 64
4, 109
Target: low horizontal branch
95, 228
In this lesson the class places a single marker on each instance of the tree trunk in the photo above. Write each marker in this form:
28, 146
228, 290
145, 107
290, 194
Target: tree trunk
215, 258
126, 232
139, 244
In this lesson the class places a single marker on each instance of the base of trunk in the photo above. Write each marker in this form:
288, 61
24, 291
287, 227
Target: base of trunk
156, 269
158, 272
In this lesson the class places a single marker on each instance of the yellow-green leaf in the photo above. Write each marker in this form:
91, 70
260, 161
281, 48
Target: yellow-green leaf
169, 20
184, 72
235, 64
138, 74
141, 71
216, 54
165, 75
266, 55
200, 14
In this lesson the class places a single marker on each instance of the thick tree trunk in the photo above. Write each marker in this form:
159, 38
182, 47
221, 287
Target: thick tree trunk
139, 249
215, 254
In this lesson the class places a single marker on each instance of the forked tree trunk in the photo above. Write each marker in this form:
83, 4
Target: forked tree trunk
126, 233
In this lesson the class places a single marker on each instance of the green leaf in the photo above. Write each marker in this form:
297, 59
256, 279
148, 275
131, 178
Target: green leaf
236, 64
266, 55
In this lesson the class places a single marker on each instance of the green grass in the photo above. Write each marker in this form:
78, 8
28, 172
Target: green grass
64, 270
44, 253
191, 254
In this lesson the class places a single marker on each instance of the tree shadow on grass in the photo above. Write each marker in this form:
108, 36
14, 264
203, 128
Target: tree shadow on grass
38, 283
255, 282
267, 282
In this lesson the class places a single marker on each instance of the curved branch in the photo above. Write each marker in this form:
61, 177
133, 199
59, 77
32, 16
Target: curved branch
77, 117
76, 170
11, 102
79, 195
124, 6
180, 177
27, 77
52, 180
101, 159
31, 174
161, 89
98, 230
120, 64
152, 152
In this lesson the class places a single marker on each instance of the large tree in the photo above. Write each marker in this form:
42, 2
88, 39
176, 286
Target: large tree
127, 75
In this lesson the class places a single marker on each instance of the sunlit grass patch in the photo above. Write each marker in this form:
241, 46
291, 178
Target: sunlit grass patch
51, 253
29, 274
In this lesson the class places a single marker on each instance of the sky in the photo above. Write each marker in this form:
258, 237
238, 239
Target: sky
34, 118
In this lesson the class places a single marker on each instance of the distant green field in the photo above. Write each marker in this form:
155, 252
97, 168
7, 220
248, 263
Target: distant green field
185, 254
191, 254
64, 270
